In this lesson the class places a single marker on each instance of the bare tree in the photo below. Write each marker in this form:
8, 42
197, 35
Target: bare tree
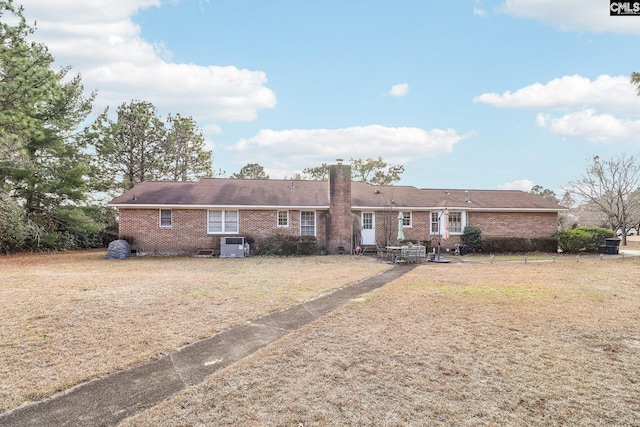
609, 186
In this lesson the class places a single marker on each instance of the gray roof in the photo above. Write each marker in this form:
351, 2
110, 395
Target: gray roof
274, 193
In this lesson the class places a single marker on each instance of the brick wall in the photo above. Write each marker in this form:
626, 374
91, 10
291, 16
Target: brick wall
493, 224
261, 224
514, 224
188, 232
420, 230
339, 220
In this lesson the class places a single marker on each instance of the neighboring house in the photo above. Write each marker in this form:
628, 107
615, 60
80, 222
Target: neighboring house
184, 217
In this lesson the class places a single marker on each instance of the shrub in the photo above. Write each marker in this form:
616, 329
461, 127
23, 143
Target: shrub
506, 245
519, 245
13, 232
288, 245
472, 237
545, 244
582, 239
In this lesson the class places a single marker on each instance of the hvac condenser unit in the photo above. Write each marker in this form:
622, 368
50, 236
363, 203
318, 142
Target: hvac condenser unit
233, 247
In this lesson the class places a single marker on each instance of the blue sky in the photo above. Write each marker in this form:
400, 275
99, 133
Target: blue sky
502, 94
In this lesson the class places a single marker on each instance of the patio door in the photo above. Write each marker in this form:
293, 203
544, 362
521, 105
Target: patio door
368, 228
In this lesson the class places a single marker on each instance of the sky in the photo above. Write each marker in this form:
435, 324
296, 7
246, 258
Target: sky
466, 94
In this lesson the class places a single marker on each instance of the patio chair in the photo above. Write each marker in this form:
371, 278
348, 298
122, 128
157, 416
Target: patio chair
382, 253
413, 254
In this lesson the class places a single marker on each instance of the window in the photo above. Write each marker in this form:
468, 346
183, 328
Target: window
165, 217
283, 218
219, 222
406, 221
367, 220
434, 223
307, 223
455, 222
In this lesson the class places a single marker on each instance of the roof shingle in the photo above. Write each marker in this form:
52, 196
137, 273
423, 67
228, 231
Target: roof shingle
273, 193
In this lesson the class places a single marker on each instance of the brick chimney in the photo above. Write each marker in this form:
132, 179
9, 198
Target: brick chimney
339, 227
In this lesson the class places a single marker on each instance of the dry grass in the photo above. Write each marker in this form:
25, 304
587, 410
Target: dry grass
458, 344
66, 318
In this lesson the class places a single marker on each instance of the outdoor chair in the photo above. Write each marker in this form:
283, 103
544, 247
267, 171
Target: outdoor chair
413, 254
382, 253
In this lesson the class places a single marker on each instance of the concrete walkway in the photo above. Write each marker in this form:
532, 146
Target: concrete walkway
107, 401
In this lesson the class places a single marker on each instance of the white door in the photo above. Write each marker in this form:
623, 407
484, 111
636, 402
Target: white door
368, 228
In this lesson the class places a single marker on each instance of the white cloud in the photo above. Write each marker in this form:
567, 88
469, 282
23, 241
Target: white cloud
572, 15
602, 110
591, 126
399, 90
478, 10
100, 41
295, 149
614, 94
520, 184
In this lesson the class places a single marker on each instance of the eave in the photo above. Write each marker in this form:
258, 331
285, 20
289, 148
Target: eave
239, 207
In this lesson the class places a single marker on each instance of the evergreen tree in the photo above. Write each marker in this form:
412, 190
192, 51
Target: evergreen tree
42, 163
129, 149
251, 171
184, 154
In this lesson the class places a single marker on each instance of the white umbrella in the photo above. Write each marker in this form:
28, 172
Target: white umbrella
400, 223
445, 220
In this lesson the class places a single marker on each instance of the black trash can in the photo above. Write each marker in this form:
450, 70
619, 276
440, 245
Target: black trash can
463, 249
612, 246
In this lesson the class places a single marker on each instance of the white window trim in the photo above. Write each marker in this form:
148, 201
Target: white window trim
463, 221
410, 219
278, 219
224, 213
315, 223
431, 222
170, 218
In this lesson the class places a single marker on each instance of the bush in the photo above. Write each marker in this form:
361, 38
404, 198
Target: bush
545, 244
582, 239
13, 231
472, 238
288, 245
506, 245
519, 245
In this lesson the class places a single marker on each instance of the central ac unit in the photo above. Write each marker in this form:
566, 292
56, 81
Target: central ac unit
233, 247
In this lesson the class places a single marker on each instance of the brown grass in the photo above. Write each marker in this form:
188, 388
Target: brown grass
458, 344
66, 318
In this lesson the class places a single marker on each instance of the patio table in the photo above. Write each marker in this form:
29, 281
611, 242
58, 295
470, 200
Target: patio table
408, 254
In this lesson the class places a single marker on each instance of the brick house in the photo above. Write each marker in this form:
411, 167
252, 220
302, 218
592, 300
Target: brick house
168, 217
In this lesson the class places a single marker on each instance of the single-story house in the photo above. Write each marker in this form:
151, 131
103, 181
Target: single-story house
169, 217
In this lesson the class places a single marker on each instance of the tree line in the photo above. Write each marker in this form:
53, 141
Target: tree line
373, 171
52, 170
55, 170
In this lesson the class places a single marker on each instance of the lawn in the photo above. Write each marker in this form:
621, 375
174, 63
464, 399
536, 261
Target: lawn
541, 343
534, 344
66, 318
